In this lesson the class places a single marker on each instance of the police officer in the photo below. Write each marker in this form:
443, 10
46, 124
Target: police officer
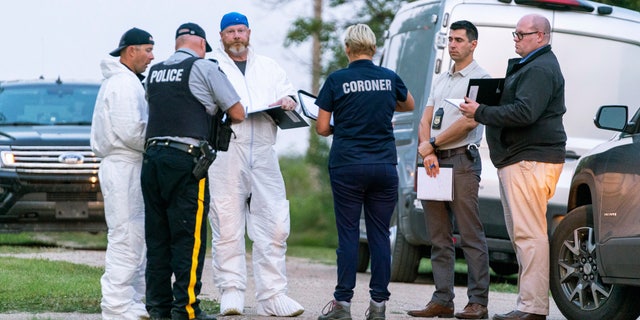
183, 93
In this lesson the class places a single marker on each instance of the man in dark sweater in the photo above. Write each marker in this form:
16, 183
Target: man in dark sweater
526, 141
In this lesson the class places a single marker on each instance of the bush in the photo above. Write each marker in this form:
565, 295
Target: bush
311, 203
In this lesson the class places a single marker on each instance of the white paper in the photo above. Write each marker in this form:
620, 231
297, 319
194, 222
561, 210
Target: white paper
473, 92
439, 188
454, 102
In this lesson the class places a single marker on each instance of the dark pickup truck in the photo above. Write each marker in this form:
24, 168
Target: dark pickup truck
48, 173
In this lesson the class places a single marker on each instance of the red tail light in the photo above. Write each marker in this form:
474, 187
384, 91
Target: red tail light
567, 5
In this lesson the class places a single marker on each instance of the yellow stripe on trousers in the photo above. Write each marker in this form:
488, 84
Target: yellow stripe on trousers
196, 248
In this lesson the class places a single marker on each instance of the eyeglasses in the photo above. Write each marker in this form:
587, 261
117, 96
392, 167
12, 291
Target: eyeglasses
520, 35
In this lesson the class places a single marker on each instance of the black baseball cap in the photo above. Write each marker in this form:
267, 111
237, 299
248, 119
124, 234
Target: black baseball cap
193, 29
132, 37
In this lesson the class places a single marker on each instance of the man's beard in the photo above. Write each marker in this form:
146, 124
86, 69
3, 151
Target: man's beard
237, 49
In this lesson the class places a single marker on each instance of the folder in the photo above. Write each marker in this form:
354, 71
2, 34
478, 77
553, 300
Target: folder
285, 119
486, 90
438, 188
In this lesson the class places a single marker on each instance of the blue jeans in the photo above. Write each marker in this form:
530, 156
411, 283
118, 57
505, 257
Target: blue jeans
373, 187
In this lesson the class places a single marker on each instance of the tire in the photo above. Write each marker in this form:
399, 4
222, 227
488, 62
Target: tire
575, 281
405, 259
363, 257
503, 268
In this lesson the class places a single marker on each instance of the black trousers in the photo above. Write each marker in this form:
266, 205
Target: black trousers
176, 207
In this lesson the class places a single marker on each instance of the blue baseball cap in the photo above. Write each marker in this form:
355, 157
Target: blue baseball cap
232, 19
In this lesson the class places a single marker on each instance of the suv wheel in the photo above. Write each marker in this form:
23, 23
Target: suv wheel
575, 281
405, 259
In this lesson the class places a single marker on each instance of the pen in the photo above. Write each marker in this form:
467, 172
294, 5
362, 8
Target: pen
432, 166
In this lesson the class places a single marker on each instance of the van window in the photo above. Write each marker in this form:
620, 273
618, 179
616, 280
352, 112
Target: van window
410, 50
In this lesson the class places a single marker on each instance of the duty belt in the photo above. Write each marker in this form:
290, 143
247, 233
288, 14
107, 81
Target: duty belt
184, 147
448, 153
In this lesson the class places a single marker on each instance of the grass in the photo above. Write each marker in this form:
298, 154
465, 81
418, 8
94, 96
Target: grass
317, 254
37, 285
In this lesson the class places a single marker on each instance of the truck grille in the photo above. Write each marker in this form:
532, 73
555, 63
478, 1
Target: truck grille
72, 196
78, 160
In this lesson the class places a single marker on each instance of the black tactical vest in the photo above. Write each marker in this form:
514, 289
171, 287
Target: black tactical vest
173, 109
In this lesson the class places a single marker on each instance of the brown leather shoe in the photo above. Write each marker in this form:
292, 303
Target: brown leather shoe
473, 311
433, 310
519, 315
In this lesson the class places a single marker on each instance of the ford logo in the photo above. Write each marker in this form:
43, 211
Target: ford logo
71, 158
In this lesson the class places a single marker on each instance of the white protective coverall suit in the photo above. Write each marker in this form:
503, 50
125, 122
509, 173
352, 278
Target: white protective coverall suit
117, 136
248, 191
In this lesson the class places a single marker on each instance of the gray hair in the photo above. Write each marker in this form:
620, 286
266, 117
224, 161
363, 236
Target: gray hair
360, 39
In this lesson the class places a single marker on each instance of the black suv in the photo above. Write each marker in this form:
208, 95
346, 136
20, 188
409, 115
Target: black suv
595, 270
48, 173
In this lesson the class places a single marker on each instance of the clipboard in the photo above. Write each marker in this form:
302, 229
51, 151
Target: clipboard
309, 107
439, 188
284, 119
487, 91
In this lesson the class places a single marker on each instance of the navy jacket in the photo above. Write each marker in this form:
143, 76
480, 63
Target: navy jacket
527, 125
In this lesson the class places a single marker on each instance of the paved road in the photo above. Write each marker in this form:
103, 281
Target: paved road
310, 283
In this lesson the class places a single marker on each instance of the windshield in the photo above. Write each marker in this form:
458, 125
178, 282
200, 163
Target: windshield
410, 48
47, 104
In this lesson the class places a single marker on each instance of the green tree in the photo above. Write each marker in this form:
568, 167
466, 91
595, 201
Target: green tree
328, 31
325, 35
629, 4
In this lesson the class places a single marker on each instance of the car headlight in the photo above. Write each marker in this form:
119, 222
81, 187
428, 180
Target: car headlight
8, 158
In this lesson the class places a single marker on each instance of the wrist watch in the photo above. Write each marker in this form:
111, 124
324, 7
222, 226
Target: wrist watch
432, 141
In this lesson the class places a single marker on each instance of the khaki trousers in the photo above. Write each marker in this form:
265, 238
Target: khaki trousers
525, 189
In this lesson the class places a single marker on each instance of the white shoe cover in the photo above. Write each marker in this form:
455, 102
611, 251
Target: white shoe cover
231, 302
279, 306
136, 311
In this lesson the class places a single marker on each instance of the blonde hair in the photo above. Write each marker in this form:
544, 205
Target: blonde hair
360, 39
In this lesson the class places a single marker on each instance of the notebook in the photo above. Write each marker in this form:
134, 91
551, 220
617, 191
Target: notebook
285, 119
486, 91
439, 188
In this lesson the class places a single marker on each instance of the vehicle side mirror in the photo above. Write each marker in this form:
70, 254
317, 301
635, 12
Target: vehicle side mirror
611, 118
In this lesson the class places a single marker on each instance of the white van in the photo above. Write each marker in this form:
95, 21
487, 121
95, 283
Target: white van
598, 47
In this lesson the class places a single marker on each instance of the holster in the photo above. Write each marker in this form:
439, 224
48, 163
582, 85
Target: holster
221, 132
207, 156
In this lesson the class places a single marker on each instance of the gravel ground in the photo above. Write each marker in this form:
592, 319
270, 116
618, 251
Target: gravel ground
310, 283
